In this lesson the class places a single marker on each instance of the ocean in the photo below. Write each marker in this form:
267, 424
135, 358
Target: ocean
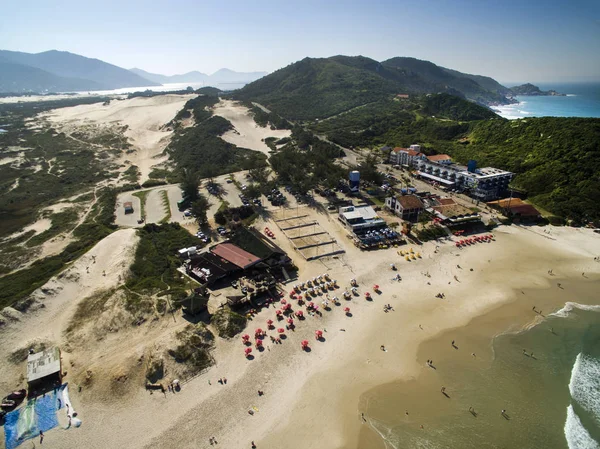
545, 375
582, 100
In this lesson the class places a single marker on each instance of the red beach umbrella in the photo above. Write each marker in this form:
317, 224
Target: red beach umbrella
290, 321
347, 309
278, 312
245, 337
259, 343
269, 322
318, 334
258, 331
376, 287
247, 351
283, 301
304, 344
281, 330
367, 295
299, 313
457, 244
311, 305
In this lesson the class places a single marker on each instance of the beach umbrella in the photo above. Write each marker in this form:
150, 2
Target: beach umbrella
258, 331
287, 307
299, 313
457, 244
281, 330
347, 309
245, 337
367, 295
290, 321
269, 322
318, 334
316, 308
283, 301
258, 343
376, 287
292, 292
247, 351
311, 305
304, 344
278, 312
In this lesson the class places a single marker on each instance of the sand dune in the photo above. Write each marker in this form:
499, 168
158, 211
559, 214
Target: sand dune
247, 134
144, 117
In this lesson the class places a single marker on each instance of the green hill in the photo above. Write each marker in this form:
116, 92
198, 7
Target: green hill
323, 87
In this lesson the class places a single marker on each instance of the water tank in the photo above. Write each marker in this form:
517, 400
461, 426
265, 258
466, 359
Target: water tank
354, 179
472, 166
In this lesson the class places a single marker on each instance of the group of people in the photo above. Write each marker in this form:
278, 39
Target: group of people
387, 308
440, 295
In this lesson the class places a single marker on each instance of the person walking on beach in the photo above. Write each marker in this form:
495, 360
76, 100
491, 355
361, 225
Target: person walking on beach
41, 437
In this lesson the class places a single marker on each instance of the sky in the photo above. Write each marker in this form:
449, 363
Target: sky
512, 41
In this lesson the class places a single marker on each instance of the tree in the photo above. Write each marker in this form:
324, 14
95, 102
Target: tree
252, 191
199, 209
190, 184
260, 174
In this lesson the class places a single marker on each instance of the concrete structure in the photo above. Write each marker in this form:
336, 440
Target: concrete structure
407, 207
406, 156
44, 371
360, 218
484, 184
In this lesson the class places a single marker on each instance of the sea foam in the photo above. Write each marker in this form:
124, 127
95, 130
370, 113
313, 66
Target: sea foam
577, 436
570, 306
584, 385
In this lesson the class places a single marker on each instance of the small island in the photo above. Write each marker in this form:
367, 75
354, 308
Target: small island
531, 90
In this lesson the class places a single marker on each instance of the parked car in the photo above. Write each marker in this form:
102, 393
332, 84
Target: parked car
229, 181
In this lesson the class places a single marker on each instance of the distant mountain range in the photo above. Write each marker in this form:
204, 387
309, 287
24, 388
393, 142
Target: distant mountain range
222, 76
322, 87
61, 71
54, 71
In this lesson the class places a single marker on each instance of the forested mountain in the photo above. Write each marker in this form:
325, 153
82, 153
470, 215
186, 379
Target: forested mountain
70, 72
322, 87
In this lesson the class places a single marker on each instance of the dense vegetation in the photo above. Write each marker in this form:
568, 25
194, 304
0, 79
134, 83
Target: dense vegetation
156, 262
557, 160
315, 156
320, 88
403, 122
201, 150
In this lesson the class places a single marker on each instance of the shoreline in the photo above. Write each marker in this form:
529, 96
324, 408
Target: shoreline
478, 336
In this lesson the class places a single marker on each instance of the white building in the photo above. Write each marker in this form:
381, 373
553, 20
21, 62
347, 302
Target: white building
360, 218
484, 184
407, 157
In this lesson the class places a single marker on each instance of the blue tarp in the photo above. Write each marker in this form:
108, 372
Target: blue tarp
37, 415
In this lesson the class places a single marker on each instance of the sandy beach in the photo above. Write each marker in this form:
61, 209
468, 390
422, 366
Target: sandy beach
312, 399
